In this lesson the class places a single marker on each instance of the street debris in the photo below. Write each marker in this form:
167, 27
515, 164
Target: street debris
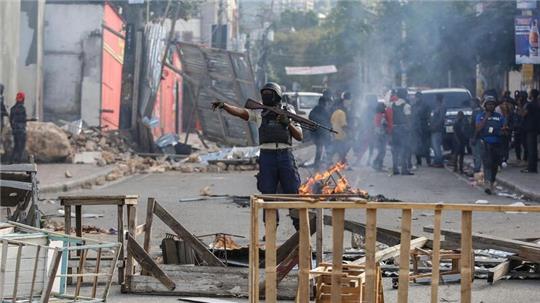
61, 213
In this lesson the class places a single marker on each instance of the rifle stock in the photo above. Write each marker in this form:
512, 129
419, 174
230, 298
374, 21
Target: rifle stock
309, 124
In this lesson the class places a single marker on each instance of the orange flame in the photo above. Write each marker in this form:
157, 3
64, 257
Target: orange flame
341, 185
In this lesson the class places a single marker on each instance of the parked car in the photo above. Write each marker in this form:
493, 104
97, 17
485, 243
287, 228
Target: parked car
303, 102
455, 100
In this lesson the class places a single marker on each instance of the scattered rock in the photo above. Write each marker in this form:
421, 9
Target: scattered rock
87, 185
206, 191
222, 165
68, 174
186, 169
100, 181
101, 162
214, 169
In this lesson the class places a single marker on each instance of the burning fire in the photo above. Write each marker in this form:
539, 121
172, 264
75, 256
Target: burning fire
329, 182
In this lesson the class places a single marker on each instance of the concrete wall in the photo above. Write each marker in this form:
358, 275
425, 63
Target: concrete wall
30, 54
72, 61
9, 48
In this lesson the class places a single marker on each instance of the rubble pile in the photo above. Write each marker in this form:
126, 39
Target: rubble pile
92, 140
47, 142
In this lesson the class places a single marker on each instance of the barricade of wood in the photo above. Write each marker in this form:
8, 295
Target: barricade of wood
337, 206
33, 266
212, 278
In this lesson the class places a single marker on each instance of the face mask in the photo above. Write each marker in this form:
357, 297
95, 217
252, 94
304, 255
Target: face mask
268, 99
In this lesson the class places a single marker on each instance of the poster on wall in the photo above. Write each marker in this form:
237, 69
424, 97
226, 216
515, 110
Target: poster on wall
526, 40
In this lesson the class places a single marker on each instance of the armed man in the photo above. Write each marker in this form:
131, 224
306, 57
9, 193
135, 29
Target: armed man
277, 165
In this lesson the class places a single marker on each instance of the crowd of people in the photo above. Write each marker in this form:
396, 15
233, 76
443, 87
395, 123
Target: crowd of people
414, 130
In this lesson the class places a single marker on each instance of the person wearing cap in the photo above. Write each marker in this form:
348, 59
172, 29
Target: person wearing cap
277, 165
17, 120
490, 127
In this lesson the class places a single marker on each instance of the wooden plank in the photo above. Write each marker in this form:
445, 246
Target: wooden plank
485, 241
55, 263
530, 254
78, 220
34, 274
21, 168
208, 281
436, 257
98, 267
270, 256
193, 241
466, 256
80, 272
498, 272
304, 261
3, 268
111, 273
132, 223
68, 200
319, 231
121, 257
386, 236
403, 290
17, 272
400, 205
148, 223
251, 276
254, 253
16, 184
291, 244
371, 247
338, 217
148, 263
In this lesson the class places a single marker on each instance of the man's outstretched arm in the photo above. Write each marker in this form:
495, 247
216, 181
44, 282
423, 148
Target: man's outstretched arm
231, 109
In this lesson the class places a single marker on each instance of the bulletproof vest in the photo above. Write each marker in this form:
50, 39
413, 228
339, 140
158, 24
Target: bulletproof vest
493, 126
271, 131
399, 117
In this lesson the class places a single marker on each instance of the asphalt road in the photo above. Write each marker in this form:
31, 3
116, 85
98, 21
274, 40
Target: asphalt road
222, 215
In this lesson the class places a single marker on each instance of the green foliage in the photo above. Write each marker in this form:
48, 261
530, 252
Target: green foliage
440, 36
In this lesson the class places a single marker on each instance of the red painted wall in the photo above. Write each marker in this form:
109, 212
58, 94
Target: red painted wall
112, 61
167, 108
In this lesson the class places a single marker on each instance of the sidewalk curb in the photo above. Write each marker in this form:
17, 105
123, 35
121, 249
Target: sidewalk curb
527, 194
74, 184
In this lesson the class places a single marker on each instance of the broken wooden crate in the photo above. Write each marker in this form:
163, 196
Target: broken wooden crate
212, 278
303, 204
353, 283
34, 266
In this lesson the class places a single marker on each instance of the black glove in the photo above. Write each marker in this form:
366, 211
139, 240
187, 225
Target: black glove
217, 104
283, 119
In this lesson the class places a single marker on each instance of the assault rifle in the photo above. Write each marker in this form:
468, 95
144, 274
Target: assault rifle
304, 122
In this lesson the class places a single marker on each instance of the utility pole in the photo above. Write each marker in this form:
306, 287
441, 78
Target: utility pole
262, 63
402, 65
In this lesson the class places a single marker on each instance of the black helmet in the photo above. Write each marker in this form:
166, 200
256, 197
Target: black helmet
274, 87
273, 99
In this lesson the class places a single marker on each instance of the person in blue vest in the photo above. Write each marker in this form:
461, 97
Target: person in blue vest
277, 165
490, 127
